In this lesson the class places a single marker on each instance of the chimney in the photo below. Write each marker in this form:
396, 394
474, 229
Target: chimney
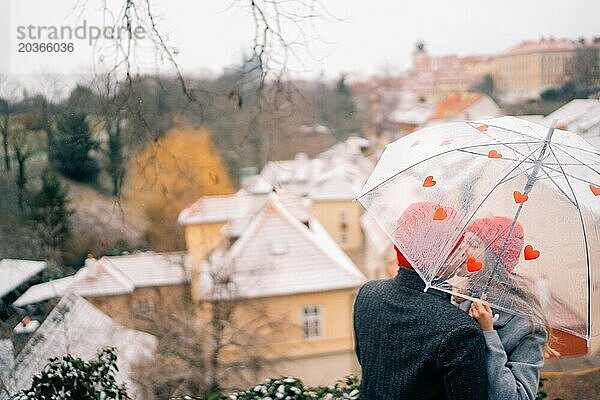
91, 266
23, 332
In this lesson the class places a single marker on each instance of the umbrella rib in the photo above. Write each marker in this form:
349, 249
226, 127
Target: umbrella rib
596, 153
507, 130
485, 155
508, 145
568, 174
528, 161
572, 201
578, 160
430, 158
587, 254
508, 179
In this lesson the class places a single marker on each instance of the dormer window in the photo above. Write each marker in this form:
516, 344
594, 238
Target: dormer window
279, 247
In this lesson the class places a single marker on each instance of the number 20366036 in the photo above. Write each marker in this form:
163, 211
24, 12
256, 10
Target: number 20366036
26, 47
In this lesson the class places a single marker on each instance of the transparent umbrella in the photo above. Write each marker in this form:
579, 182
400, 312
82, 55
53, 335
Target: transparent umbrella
521, 200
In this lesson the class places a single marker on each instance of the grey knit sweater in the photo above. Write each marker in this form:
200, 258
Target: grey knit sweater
515, 356
416, 345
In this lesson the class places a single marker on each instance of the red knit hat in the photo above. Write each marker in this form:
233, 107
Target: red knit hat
493, 231
416, 229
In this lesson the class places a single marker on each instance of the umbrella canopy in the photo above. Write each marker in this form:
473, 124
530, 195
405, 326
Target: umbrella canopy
503, 209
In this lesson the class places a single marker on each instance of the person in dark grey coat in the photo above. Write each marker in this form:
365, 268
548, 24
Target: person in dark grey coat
515, 344
413, 344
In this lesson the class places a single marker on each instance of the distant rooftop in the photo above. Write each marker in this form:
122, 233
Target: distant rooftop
541, 45
581, 116
14, 273
336, 174
454, 104
112, 275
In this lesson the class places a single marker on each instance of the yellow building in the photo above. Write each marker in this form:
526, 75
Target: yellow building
332, 198
529, 68
289, 286
128, 288
328, 185
205, 220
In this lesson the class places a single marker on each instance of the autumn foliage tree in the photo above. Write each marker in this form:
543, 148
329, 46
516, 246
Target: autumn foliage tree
170, 174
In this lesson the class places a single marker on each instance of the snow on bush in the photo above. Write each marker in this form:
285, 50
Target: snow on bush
294, 389
73, 378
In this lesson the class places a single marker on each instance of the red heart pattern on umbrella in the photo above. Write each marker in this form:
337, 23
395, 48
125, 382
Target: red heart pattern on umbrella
530, 253
429, 182
440, 214
520, 197
494, 154
473, 265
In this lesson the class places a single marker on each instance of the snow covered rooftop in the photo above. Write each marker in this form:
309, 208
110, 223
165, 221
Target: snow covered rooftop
304, 176
258, 185
337, 184
74, 326
581, 116
14, 273
418, 114
278, 255
212, 209
113, 275
337, 173
375, 234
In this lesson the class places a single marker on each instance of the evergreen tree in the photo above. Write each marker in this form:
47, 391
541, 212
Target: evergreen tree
50, 214
4, 129
83, 99
486, 86
72, 144
23, 148
335, 108
115, 167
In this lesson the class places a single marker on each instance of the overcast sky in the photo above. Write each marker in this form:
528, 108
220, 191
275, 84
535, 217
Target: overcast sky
359, 37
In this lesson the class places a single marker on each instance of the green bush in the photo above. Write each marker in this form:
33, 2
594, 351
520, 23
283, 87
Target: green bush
73, 378
291, 389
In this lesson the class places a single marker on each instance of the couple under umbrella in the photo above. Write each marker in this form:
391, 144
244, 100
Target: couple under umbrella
504, 216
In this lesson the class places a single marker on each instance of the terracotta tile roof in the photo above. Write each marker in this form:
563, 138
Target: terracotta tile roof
454, 104
542, 45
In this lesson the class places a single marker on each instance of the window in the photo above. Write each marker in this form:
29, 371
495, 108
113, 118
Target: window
344, 238
279, 247
144, 306
342, 217
312, 324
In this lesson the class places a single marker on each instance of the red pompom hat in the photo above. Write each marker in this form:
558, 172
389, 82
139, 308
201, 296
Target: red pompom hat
493, 232
416, 229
